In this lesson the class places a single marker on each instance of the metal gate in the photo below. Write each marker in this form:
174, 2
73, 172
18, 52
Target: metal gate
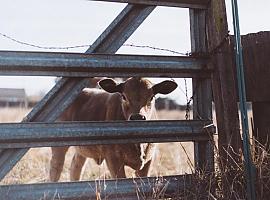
99, 60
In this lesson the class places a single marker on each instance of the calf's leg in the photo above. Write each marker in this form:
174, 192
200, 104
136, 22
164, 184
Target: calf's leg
145, 170
57, 162
76, 166
116, 167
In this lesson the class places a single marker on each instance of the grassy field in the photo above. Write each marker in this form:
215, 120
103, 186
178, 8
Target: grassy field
170, 158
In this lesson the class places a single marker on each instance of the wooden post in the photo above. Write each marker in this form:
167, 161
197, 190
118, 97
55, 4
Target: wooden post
261, 113
202, 99
256, 51
223, 82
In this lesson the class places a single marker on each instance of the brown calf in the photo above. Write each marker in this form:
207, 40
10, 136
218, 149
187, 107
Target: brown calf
130, 100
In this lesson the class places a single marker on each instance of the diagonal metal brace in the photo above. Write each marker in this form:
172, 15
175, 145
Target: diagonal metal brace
67, 89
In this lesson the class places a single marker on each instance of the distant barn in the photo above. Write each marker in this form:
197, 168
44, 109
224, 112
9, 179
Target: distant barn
10, 97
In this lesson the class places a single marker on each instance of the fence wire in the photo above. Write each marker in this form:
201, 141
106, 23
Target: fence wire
88, 45
185, 91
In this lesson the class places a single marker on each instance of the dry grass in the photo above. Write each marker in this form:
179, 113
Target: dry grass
12, 114
170, 159
34, 167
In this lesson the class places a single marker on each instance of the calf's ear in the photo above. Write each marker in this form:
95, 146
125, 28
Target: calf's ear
164, 87
109, 85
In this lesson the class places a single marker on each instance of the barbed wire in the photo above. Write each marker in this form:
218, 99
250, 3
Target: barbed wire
42, 47
187, 115
88, 45
157, 48
185, 92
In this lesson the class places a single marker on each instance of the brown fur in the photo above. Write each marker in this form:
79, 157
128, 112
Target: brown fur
135, 96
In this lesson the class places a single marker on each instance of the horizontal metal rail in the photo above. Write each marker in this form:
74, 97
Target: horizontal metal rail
66, 90
89, 65
22, 135
136, 188
199, 4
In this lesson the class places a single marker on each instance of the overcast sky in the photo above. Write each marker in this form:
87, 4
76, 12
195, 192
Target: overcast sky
61, 23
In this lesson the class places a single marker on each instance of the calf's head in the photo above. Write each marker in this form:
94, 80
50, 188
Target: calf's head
137, 95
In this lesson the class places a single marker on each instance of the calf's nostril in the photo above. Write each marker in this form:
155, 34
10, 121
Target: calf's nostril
137, 117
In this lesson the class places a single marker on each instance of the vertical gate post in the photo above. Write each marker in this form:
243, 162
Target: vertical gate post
202, 99
224, 84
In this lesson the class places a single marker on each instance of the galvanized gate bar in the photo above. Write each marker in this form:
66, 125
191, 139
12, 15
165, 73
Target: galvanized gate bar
8, 158
136, 188
48, 109
57, 100
22, 135
109, 42
63, 94
200, 4
202, 99
89, 65
124, 25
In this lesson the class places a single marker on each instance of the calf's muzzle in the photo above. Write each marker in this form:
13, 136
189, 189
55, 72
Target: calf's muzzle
137, 117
